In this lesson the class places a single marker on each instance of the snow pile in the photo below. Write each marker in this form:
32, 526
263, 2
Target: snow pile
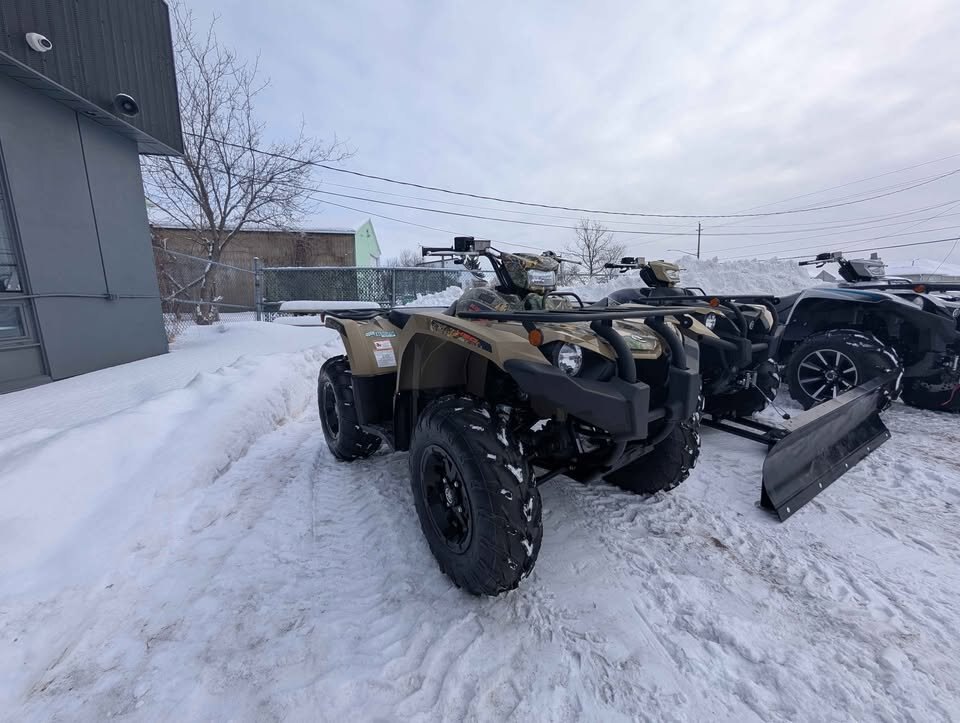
924, 266
441, 298
199, 349
754, 276
75, 484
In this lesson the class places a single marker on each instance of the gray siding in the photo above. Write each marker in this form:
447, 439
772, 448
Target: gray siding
80, 236
101, 48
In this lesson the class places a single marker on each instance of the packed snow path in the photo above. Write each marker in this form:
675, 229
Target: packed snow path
291, 586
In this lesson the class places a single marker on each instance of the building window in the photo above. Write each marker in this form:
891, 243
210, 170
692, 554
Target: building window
11, 323
9, 266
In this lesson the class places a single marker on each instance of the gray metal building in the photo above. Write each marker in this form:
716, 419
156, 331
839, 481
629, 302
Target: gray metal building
78, 291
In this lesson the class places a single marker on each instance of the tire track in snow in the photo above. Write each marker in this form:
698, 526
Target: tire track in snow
298, 587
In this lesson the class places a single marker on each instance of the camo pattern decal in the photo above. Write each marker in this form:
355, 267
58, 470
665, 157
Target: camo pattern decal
451, 332
517, 266
486, 299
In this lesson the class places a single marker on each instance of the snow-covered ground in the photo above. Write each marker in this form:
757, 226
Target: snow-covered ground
176, 543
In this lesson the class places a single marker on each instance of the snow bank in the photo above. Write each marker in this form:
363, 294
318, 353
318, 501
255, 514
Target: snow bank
74, 401
754, 276
441, 298
924, 266
76, 485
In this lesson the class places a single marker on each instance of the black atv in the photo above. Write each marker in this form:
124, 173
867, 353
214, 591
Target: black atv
735, 334
838, 337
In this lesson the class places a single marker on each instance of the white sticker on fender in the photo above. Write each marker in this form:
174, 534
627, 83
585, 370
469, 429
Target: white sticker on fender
385, 357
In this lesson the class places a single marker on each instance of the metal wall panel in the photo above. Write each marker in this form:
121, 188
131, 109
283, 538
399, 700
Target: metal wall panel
82, 335
80, 211
116, 192
48, 187
101, 48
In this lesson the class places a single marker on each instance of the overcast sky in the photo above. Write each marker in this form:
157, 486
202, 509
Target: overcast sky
681, 108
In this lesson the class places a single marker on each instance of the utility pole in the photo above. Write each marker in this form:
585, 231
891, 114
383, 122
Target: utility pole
699, 227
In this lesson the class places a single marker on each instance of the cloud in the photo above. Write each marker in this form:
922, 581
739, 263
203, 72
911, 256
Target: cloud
677, 108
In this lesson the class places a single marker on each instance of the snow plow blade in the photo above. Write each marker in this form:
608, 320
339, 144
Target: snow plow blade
821, 445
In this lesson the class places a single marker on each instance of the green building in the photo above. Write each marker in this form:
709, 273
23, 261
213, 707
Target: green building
366, 246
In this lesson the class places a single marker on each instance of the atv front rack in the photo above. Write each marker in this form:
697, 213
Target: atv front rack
728, 302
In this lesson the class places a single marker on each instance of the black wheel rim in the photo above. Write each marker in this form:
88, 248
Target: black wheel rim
445, 499
825, 373
328, 410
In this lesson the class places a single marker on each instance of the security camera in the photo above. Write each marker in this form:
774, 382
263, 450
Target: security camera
40, 43
126, 104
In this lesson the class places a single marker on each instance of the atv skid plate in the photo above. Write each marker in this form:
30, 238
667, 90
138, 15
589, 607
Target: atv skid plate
815, 448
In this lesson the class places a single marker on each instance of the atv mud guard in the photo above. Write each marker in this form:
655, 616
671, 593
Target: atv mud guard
815, 448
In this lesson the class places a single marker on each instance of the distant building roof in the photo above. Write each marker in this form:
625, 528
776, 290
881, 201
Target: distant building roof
269, 230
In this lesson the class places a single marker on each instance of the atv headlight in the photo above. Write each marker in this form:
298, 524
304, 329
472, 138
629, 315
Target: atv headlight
711, 321
569, 359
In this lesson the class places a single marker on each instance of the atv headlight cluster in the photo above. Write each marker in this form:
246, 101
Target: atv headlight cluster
576, 361
568, 358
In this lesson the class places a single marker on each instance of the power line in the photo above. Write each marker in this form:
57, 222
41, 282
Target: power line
915, 222
497, 199
852, 183
313, 190
905, 233
810, 225
850, 244
893, 246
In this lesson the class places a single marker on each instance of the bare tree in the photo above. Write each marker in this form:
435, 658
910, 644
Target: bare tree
595, 246
221, 185
406, 259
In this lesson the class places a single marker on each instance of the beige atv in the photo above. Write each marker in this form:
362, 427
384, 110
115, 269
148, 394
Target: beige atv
504, 390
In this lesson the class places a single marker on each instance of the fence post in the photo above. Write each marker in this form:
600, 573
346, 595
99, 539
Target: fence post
257, 289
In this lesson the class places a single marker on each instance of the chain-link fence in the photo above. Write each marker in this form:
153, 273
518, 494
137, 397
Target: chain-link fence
200, 291
384, 286
195, 290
